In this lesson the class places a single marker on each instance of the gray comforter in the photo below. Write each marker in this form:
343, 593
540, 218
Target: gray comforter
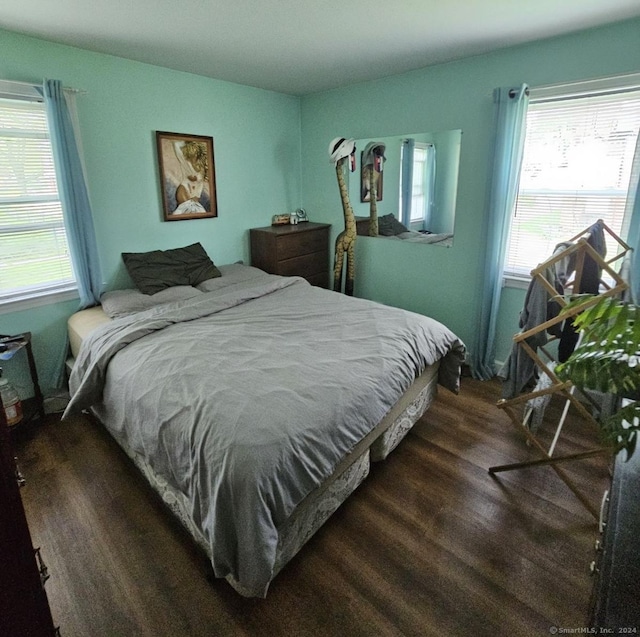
431, 239
245, 399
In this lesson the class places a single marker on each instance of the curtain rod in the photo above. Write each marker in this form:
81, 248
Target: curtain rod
513, 92
77, 91
593, 86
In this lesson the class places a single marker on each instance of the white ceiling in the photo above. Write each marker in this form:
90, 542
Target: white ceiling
303, 46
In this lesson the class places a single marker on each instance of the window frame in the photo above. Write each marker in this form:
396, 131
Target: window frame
45, 294
427, 191
558, 92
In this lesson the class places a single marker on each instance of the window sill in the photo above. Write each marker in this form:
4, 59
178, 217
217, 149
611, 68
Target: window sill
513, 281
28, 303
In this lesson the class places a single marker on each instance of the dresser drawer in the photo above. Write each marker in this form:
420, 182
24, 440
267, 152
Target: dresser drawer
321, 280
294, 245
297, 250
305, 265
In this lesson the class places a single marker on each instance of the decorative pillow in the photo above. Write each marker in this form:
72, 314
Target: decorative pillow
119, 303
232, 274
159, 269
389, 226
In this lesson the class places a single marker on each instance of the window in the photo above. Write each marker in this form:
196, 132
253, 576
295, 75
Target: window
34, 254
576, 167
422, 186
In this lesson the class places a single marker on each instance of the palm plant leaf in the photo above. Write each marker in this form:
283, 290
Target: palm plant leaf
607, 359
621, 429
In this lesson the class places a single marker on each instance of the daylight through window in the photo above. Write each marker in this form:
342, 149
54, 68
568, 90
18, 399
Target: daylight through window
34, 255
576, 167
422, 186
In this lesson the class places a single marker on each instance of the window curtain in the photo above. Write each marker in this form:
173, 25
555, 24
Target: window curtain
430, 187
73, 195
406, 190
633, 214
509, 124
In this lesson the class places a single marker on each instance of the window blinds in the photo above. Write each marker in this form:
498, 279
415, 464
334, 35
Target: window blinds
576, 168
34, 255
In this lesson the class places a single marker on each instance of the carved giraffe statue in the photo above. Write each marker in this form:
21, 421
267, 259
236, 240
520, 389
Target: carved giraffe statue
373, 154
341, 151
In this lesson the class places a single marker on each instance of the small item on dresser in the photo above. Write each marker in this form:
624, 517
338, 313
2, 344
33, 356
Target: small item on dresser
280, 220
293, 219
9, 345
301, 215
10, 402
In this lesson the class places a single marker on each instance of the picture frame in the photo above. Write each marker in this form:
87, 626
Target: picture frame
187, 176
364, 181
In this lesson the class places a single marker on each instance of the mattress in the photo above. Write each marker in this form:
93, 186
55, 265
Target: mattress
81, 324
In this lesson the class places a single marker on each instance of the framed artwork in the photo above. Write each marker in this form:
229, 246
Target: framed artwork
187, 176
364, 180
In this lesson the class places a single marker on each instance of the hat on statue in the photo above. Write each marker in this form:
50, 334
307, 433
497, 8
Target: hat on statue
341, 147
372, 151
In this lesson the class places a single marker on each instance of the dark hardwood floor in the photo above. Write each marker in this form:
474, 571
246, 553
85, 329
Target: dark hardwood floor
430, 544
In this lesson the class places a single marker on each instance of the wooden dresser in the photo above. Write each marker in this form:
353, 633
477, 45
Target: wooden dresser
24, 608
616, 603
293, 250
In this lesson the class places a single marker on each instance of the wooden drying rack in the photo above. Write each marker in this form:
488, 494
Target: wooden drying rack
581, 249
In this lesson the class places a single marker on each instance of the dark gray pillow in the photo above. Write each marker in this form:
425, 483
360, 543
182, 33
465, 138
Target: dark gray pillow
159, 269
389, 226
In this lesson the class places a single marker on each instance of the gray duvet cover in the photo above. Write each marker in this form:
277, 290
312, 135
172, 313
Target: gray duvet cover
245, 399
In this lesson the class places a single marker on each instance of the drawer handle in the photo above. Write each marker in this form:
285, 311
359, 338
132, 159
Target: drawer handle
593, 568
19, 477
42, 567
601, 522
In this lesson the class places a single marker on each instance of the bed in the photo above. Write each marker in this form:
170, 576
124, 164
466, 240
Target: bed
390, 228
413, 236
254, 403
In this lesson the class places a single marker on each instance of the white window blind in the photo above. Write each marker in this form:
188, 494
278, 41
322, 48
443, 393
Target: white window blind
34, 254
576, 168
419, 186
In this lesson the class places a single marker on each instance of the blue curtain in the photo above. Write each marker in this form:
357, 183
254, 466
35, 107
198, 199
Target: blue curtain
633, 236
510, 119
406, 176
430, 188
73, 195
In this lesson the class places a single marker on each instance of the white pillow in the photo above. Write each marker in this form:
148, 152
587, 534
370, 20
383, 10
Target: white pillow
231, 274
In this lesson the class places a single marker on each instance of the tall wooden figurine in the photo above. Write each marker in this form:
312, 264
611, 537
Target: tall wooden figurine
341, 152
373, 158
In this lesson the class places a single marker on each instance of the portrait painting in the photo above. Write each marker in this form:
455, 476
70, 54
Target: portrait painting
365, 180
187, 176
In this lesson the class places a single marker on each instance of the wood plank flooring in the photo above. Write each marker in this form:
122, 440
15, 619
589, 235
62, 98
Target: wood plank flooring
430, 544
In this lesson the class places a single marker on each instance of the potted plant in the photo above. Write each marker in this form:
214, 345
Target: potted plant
607, 359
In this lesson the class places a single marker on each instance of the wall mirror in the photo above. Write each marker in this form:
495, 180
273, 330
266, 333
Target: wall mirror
416, 189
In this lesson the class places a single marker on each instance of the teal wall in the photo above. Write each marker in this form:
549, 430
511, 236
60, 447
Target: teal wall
439, 282
271, 157
257, 160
